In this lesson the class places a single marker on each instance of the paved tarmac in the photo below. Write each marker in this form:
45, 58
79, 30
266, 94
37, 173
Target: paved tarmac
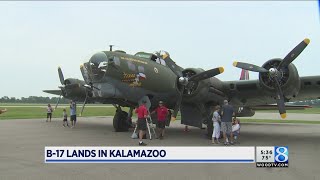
22, 145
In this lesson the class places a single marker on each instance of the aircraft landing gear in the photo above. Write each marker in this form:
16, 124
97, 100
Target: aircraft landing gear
120, 120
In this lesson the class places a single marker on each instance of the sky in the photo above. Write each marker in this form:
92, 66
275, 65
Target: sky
37, 37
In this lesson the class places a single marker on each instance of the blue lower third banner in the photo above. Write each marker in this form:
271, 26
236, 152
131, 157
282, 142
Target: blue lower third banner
126, 154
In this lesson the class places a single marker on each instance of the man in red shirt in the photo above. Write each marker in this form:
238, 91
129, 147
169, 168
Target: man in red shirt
162, 113
142, 123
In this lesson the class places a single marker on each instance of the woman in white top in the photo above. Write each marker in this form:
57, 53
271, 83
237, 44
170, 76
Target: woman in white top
216, 127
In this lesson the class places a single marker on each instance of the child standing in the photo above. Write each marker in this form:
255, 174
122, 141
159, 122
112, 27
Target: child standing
65, 118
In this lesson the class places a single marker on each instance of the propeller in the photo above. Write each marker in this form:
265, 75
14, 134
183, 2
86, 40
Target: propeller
185, 80
89, 88
84, 103
61, 77
64, 85
275, 71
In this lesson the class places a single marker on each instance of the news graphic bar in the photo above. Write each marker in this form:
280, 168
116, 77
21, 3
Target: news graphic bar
89, 154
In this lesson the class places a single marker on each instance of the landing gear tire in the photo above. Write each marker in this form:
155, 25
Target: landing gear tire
120, 123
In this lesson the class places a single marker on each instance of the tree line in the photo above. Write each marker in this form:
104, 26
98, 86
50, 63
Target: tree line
34, 99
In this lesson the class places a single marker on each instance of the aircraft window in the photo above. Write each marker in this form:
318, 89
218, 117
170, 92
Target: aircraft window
116, 61
131, 66
153, 57
143, 55
161, 61
141, 69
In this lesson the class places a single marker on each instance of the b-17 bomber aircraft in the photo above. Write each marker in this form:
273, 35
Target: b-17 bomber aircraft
124, 80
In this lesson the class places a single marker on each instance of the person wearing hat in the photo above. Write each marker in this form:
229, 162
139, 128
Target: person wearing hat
142, 123
162, 112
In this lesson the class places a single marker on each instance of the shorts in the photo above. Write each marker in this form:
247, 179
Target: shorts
73, 118
49, 115
142, 124
65, 119
226, 127
161, 124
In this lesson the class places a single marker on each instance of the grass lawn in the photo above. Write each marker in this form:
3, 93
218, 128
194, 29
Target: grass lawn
314, 110
53, 105
278, 121
41, 112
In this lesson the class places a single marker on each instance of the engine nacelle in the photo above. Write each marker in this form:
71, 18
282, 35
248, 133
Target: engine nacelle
202, 91
288, 78
74, 89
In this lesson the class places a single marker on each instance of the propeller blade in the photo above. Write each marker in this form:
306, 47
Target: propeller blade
85, 78
84, 104
294, 53
90, 86
58, 100
280, 100
249, 67
95, 88
60, 76
207, 74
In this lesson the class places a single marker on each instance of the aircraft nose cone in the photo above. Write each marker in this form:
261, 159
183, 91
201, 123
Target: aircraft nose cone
98, 58
98, 65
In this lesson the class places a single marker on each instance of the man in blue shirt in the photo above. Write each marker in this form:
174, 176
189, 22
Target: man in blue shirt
73, 113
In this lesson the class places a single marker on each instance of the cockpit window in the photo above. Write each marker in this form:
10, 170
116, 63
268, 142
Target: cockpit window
144, 55
116, 60
158, 56
161, 61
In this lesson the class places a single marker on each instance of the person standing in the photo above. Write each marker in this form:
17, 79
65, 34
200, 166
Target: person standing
216, 127
142, 121
73, 113
236, 128
162, 113
226, 121
49, 112
65, 118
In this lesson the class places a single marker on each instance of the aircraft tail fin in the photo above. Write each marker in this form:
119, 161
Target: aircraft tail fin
244, 74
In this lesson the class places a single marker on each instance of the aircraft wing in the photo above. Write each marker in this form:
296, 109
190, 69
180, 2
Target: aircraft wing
310, 88
55, 92
250, 93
